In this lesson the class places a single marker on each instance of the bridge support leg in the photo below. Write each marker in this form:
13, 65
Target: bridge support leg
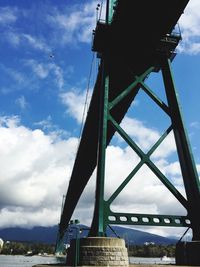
98, 224
188, 168
187, 253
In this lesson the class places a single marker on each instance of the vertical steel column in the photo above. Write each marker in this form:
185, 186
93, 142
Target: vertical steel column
98, 223
109, 10
188, 168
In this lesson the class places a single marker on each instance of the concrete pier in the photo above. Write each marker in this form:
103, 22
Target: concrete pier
103, 251
97, 251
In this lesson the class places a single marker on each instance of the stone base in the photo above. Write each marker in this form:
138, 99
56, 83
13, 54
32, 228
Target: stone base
103, 251
188, 253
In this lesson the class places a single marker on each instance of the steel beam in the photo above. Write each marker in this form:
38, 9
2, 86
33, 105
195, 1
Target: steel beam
188, 167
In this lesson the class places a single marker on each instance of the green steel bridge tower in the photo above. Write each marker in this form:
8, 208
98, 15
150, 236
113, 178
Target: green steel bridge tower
129, 52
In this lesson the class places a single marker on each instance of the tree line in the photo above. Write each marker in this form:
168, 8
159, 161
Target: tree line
26, 248
151, 250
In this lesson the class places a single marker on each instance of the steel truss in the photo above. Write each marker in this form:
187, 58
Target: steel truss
103, 215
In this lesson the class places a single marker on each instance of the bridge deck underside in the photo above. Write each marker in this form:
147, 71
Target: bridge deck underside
134, 34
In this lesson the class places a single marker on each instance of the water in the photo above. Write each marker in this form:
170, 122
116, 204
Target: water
23, 261
137, 260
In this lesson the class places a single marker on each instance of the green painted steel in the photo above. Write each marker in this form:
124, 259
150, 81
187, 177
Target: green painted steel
109, 10
98, 225
128, 90
122, 74
155, 98
147, 219
188, 167
138, 166
60, 247
104, 210
145, 159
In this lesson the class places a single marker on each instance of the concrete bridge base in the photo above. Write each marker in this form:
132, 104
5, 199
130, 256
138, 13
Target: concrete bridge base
188, 253
103, 251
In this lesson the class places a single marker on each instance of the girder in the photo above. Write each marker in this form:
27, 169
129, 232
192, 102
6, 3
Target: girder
147, 219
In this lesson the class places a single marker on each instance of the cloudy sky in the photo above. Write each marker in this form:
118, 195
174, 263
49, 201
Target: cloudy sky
47, 70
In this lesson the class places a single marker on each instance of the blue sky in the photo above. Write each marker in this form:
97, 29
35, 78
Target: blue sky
45, 61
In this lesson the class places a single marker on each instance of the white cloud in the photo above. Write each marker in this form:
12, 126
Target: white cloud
146, 137
144, 194
190, 19
43, 71
75, 102
36, 43
198, 168
190, 28
13, 33
16, 38
13, 74
27, 218
52, 129
17, 76
40, 69
34, 174
195, 124
75, 24
58, 72
8, 15
172, 232
36, 168
69, 24
173, 168
13, 38
16, 80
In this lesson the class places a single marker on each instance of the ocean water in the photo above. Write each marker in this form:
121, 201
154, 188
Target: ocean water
24, 261
137, 260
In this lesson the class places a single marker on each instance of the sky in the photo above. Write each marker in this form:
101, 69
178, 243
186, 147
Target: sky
47, 71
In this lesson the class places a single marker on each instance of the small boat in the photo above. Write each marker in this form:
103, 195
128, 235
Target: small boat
165, 258
29, 253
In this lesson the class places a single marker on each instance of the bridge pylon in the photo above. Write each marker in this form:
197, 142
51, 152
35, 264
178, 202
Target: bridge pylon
103, 215
125, 65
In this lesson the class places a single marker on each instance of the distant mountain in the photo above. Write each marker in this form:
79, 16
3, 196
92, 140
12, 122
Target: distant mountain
137, 237
35, 234
49, 235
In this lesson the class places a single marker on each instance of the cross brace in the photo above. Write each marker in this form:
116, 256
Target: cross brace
147, 219
104, 216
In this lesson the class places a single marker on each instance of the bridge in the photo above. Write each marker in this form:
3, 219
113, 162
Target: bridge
137, 38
